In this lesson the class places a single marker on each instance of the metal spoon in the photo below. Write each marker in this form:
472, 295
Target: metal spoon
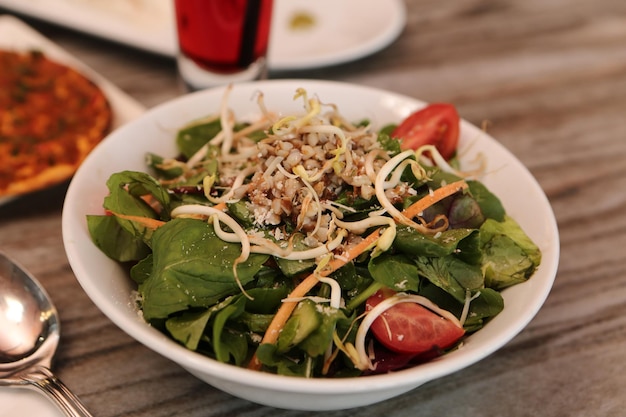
29, 335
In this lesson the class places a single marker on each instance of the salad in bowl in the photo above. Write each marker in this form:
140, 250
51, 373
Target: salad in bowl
313, 242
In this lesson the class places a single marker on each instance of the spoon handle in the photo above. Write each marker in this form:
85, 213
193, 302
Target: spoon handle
44, 380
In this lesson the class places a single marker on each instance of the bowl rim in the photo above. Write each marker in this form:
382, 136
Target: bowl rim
156, 341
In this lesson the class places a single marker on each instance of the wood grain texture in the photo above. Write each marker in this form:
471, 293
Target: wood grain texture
550, 77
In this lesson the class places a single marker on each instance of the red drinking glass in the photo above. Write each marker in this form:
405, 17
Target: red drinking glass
222, 41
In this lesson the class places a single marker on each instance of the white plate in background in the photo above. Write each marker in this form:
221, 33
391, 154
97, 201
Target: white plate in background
22, 402
342, 31
16, 35
146, 24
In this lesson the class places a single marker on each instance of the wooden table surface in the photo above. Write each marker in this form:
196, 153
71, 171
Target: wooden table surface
550, 76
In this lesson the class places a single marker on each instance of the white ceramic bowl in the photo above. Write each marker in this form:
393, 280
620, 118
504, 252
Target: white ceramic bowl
108, 285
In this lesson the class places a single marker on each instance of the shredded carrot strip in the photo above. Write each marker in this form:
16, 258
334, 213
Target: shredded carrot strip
152, 202
154, 224
434, 197
285, 310
145, 221
220, 206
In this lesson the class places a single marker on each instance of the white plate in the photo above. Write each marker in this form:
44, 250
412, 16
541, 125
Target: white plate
343, 30
20, 402
109, 286
17, 36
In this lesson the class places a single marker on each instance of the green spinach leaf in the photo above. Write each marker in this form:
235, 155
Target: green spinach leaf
294, 267
227, 344
395, 271
192, 268
190, 139
126, 190
451, 274
490, 205
155, 162
188, 327
411, 242
488, 304
114, 241
142, 270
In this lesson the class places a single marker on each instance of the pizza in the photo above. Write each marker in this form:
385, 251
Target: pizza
51, 117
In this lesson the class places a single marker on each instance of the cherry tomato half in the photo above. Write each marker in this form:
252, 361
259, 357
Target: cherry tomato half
436, 124
414, 329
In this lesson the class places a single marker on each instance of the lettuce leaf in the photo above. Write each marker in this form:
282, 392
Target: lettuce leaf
229, 344
395, 271
410, 241
188, 328
509, 255
114, 241
190, 139
490, 205
451, 275
192, 268
126, 192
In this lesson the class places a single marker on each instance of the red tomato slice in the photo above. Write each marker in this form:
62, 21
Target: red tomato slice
436, 124
414, 329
